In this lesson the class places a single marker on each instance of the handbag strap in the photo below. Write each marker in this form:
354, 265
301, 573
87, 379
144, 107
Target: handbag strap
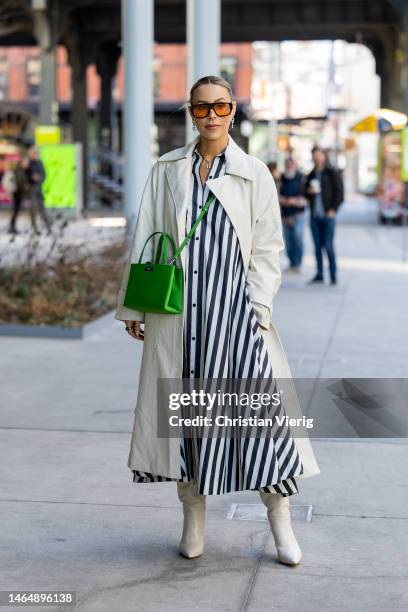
164, 238
206, 206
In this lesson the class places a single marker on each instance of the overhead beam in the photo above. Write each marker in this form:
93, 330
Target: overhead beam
243, 20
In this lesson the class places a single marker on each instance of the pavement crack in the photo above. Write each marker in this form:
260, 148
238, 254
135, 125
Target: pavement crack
215, 511
172, 575
254, 575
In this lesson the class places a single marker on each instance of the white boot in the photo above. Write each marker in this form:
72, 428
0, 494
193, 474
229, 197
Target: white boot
192, 540
279, 519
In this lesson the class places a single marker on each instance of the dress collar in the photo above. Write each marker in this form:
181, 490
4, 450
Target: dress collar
237, 161
196, 152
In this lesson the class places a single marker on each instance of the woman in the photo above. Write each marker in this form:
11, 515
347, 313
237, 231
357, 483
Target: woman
231, 271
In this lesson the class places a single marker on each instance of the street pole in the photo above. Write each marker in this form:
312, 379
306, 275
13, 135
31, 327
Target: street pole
332, 102
203, 44
138, 111
275, 76
44, 18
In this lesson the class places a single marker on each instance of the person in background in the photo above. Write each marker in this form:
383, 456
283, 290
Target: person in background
20, 189
390, 192
36, 177
276, 173
293, 204
8, 183
324, 190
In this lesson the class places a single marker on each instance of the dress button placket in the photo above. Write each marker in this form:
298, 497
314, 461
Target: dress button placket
194, 277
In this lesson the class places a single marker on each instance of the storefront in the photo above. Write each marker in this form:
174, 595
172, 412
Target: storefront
390, 126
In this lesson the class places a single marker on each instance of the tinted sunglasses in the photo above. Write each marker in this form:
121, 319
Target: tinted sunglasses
221, 109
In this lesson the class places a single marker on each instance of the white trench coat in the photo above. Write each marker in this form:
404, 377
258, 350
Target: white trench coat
248, 193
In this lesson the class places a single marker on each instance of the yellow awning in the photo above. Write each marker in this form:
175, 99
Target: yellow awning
384, 119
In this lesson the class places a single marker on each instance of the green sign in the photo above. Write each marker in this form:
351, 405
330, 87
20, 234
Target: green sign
60, 185
404, 154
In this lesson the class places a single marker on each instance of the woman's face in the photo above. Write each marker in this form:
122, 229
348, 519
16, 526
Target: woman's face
212, 127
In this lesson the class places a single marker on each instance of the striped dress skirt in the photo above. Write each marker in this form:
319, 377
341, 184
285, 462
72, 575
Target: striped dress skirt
222, 340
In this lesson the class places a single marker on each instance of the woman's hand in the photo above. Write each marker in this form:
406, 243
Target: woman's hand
135, 330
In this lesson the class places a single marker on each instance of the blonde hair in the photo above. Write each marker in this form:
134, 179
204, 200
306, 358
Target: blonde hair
211, 79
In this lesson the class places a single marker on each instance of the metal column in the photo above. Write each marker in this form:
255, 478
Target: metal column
203, 44
44, 18
138, 111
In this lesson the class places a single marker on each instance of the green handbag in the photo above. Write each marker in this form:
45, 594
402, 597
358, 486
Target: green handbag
159, 286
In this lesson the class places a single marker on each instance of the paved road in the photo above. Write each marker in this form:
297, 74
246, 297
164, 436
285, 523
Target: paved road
72, 518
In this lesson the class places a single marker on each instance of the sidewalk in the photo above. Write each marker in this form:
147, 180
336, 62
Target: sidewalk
73, 520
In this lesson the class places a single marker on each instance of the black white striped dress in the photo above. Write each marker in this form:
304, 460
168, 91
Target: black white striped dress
222, 339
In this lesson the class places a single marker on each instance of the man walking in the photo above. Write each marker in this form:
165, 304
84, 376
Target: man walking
292, 203
324, 190
36, 177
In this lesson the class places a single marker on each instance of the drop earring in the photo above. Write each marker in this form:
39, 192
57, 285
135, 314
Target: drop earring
194, 126
231, 124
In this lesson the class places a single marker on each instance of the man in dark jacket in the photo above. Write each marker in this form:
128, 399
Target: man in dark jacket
324, 190
36, 177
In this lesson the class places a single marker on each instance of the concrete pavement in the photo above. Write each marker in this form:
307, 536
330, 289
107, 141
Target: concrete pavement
73, 519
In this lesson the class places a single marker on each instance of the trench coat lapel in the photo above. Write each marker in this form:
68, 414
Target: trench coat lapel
229, 189
178, 180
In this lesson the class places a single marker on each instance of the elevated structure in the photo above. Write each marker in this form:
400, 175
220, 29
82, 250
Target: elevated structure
91, 30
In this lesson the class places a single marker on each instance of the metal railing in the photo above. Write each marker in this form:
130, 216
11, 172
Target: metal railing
106, 177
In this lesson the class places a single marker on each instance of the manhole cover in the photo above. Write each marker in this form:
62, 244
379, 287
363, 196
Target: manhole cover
257, 512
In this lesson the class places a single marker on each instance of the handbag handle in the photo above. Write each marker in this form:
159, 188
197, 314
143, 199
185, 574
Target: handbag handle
158, 252
161, 253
